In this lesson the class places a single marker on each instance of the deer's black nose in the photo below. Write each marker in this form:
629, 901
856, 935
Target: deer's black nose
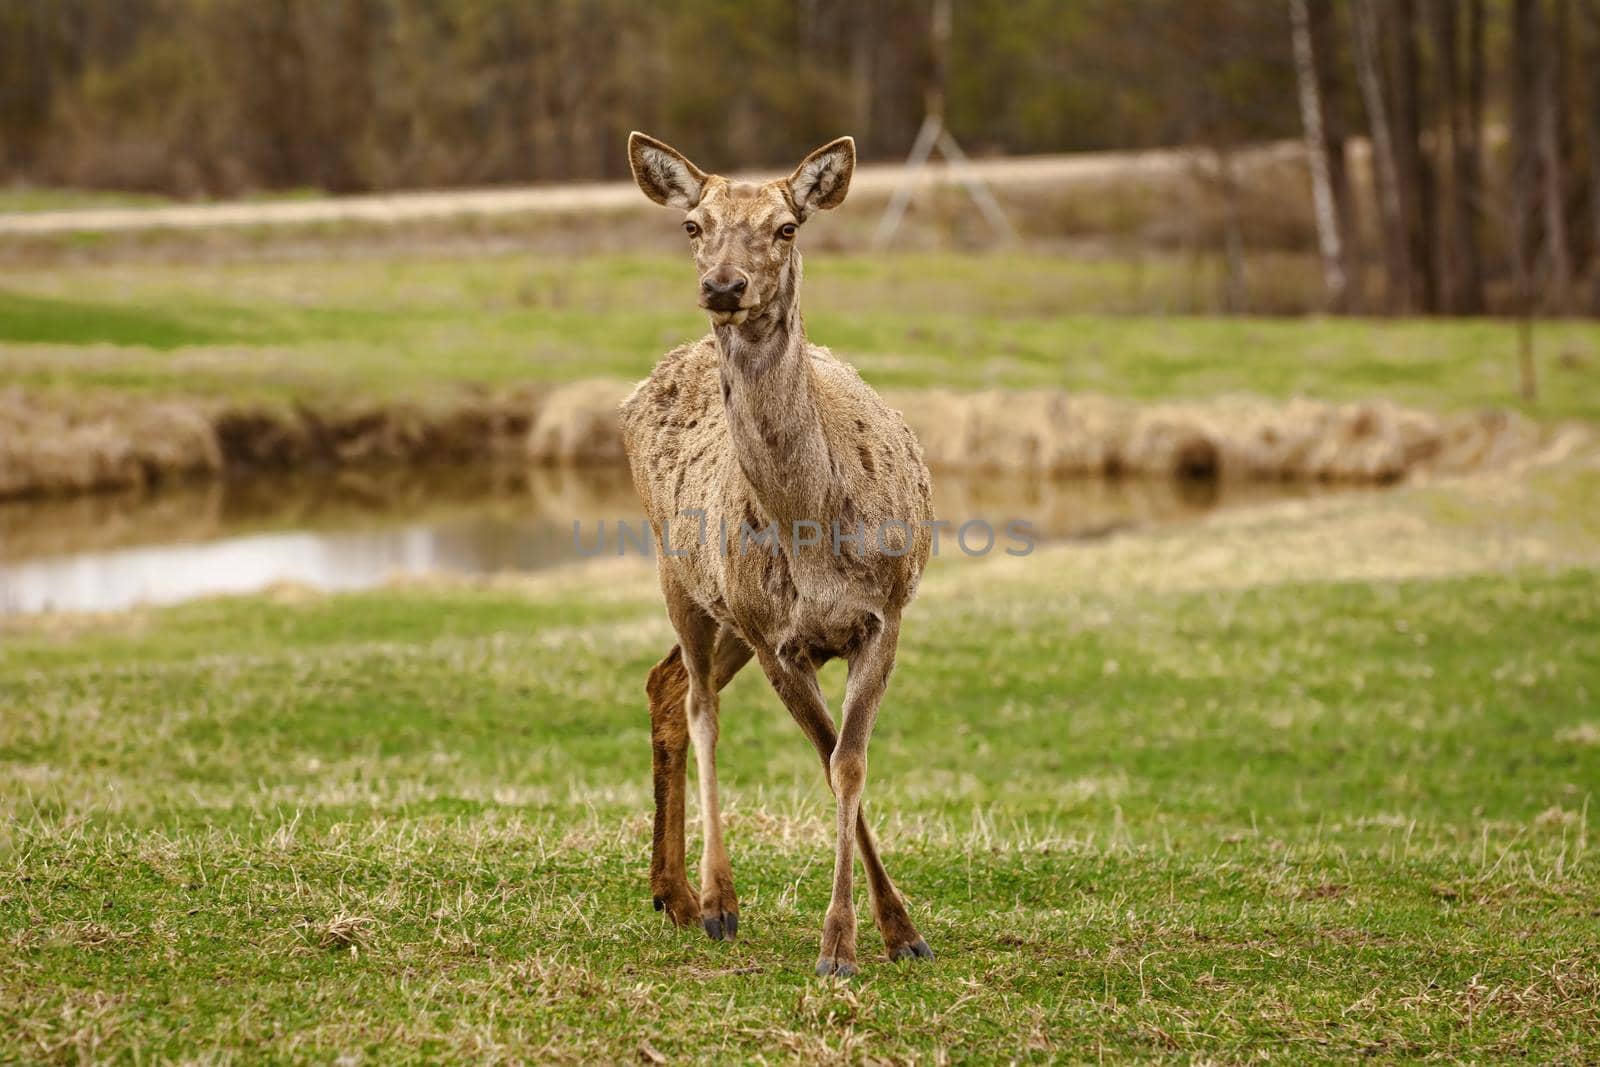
723, 288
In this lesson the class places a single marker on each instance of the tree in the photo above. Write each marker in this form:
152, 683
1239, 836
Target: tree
1329, 237
1332, 91
1411, 116
1467, 141
1591, 25
1524, 66
1460, 290
1397, 263
221, 97
1547, 36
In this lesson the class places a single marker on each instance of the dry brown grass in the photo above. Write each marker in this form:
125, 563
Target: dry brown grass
1055, 433
64, 445
1237, 439
577, 424
1058, 434
54, 445
340, 933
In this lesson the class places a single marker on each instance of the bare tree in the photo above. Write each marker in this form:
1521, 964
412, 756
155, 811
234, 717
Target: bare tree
1457, 249
1386, 173
1558, 251
1447, 136
1524, 66
861, 36
1469, 166
1236, 284
1325, 54
1591, 26
1410, 115
1329, 239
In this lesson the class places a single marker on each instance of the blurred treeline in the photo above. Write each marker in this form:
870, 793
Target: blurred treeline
218, 97
1477, 183
1453, 145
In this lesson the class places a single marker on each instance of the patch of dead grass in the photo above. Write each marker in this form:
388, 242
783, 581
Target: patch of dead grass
338, 933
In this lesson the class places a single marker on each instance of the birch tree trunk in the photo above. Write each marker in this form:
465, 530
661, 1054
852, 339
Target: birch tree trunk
1328, 235
1335, 132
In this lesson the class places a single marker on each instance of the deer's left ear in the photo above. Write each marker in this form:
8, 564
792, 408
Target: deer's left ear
823, 177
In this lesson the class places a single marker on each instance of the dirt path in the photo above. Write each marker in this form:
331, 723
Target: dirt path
880, 179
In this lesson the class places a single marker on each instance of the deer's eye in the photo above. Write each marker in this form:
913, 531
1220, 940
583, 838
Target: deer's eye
787, 231
692, 229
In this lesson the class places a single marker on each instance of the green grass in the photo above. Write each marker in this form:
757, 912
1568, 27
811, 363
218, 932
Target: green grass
1162, 796
1144, 801
46, 320
406, 325
26, 198
21, 199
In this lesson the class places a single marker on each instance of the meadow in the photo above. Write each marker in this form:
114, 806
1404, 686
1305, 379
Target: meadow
297, 327
1308, 781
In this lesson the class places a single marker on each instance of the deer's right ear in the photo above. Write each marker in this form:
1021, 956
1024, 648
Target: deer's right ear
664, 173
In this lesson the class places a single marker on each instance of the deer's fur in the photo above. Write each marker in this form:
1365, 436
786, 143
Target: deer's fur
750, 428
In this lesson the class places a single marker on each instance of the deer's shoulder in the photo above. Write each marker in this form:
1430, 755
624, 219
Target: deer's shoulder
851, 407
680, 391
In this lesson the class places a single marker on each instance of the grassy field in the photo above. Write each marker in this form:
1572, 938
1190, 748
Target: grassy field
1308, 782
23, 198
406, 324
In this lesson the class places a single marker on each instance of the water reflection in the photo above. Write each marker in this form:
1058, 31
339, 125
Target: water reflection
352, 530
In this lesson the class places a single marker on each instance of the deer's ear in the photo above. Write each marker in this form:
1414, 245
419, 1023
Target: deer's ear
664, 173
823, 177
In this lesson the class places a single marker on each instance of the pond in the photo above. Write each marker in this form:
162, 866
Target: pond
353, 530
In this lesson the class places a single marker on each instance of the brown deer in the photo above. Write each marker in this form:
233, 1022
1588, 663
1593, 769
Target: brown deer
753, 430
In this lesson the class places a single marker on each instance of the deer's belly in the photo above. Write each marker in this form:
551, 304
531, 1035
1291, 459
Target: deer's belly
803, 624
832, 633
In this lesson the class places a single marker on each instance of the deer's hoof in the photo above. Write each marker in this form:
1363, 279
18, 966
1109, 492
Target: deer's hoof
680, 906
721, 927
835, 968
917, 950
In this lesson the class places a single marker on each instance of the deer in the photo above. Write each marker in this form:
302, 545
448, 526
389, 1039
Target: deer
755, 430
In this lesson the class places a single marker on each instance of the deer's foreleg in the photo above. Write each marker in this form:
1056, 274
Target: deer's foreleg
683, 692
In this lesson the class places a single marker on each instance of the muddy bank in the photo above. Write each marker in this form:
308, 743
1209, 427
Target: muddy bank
52, 444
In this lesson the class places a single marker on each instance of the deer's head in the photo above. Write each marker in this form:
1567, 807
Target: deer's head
742, 234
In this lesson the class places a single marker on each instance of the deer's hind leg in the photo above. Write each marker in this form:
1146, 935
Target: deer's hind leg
683, 691
668, 689
800, 693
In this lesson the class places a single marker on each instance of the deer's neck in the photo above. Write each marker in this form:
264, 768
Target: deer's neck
768, 394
